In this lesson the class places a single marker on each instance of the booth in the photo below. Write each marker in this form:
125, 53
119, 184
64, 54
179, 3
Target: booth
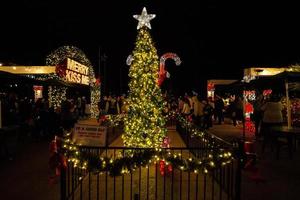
67, 68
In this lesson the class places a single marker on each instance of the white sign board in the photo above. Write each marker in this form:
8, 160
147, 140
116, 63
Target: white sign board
90, 135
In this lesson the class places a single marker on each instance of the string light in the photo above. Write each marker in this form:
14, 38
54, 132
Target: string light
62, 53
56, 95
130, 160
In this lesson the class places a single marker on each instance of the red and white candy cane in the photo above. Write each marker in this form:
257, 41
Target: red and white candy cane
163, 74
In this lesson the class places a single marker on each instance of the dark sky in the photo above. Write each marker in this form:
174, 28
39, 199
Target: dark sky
213, 39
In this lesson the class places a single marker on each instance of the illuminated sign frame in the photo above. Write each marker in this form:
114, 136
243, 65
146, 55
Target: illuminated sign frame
74, 72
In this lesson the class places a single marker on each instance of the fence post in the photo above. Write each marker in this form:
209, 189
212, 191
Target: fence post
240, 162
63, 181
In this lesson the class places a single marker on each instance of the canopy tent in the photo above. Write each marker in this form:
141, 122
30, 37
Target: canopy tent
289, 81
283, 83
276, 82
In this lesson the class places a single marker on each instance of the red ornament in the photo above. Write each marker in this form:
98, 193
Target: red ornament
98, 82
249, 108
162, 167
166, 142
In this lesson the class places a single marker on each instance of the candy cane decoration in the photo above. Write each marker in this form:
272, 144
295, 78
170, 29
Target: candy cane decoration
163, 74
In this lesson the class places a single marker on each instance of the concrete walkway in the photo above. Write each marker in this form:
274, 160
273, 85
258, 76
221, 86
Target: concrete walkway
269, 178
26, 176
146, 182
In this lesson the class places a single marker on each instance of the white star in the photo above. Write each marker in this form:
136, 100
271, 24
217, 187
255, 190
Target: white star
144, 19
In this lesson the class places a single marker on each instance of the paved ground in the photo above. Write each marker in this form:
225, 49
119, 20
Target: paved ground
269, 178
26, 176
130, 182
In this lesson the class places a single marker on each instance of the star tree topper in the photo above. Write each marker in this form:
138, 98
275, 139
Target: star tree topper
144, 19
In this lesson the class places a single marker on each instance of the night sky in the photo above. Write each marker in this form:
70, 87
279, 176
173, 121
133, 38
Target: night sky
214, 40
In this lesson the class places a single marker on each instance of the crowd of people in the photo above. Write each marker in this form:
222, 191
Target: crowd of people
38, 118
113, 105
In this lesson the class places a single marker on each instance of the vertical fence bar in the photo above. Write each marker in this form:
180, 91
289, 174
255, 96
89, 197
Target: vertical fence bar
204, 187
148, 174
140, 181
80, 190
238, 173
68, 179
123, 181
106, 178
180, 179
220, 184
114, 194
73, 181
172, 185
196, 191
89, 185
131, 185
232, 178
189, 179
213, 184
164, 193
155, 180
97, 191
228, 182
63, 194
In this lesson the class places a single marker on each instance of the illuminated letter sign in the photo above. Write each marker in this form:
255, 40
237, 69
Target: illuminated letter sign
74, 72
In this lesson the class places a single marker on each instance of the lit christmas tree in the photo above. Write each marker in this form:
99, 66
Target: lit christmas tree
144, 124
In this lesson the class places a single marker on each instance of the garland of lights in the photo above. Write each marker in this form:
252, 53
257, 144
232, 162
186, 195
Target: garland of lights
95, 99
64, 52
131, 160
57, 95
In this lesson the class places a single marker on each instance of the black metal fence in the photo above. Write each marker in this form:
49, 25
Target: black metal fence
228, 178
149, 183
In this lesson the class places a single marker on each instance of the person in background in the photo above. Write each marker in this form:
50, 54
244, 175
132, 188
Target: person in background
207, 117
107, 104
258, 113
113, 106
197, 111
180, 104
102, 105
186, 110
219, 107
272, 116
83, 106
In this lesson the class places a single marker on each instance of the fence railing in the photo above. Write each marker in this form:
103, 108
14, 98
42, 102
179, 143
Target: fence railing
148, 182
157, 181
228, 182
